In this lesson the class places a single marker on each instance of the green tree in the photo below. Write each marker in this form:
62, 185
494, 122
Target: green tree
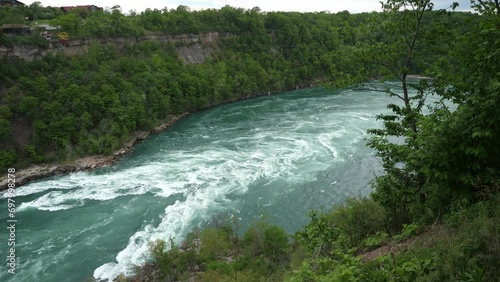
215, 243
7, 158
389, 53
486, 6
458, 148
275, 242
69, 22
80, 12
5, 129
10, 15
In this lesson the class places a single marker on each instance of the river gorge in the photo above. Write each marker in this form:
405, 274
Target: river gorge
278, 156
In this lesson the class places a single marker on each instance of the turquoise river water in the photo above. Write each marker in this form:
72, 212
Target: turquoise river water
279, 155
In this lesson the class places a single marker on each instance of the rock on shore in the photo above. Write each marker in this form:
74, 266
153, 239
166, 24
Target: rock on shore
36, 172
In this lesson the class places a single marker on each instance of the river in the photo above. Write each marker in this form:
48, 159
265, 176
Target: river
279, 155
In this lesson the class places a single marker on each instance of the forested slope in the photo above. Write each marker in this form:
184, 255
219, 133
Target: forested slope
58, 108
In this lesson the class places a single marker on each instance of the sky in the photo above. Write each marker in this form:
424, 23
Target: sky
353, 6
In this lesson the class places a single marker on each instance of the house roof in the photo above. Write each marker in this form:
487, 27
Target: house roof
10, 2
88, 7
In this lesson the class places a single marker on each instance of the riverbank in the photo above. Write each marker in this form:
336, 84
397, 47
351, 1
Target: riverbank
417, 76
36, 172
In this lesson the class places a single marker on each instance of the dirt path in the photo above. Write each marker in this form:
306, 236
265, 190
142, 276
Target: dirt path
424, 239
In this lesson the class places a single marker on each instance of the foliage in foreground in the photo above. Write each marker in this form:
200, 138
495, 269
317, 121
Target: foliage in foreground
216, 253
464, 247
433, 155
442, 180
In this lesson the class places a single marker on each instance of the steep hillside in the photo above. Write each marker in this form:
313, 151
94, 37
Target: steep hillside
117, 75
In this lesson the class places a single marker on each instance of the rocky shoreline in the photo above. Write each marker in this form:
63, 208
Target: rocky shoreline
417, 76
36, 172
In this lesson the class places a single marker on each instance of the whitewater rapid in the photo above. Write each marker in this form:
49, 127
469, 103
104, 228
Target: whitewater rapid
279, 155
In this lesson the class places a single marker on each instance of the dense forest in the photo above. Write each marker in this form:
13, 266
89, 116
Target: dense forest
90, 104
438, 198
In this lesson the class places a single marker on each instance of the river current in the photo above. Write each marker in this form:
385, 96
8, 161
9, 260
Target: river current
279, 156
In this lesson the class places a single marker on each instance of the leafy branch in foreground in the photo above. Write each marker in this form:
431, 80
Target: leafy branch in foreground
388, 48
447, 156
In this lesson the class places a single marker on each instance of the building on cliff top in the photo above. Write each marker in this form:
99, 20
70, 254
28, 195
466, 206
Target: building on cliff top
15, 29
90, 8
13, 3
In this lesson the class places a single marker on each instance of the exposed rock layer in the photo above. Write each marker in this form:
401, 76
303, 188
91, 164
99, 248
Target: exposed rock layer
195, 47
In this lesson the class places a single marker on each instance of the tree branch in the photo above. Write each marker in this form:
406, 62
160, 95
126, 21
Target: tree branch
379, 90
417, 29
392, 69
482, 4
485, 6
395, 94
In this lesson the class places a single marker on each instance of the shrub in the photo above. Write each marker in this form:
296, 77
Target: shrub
321, 235
253, 240
7, 158
359, 218
376, 240
275, 243
172, 264
408, 231
215, 244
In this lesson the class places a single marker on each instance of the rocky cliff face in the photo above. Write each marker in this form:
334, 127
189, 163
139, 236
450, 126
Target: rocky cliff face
193, 48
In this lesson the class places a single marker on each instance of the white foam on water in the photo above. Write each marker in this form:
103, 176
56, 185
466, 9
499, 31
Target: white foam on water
175, 223
187, 169
50, 202
36, 187
326, 140
75, 190
274, 149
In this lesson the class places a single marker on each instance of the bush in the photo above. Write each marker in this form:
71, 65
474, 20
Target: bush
321, 235
465, 248
253, 240
379, 239
359, 218
275, 243
173, 264
344, 228
7, 159
240, 276
408, 231
215, 244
